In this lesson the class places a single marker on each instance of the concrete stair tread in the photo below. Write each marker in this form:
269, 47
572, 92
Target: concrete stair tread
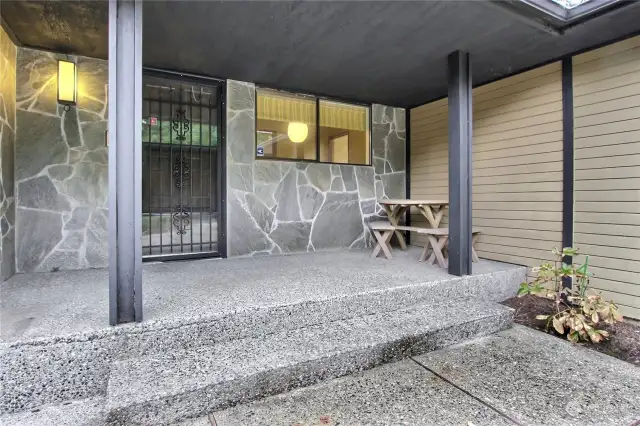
191, 382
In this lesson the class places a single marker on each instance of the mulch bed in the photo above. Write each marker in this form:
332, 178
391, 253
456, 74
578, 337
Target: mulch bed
623, 341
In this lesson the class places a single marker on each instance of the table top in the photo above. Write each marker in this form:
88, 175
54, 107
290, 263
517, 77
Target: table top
397, 201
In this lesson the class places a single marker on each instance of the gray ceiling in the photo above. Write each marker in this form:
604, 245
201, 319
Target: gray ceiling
385, 52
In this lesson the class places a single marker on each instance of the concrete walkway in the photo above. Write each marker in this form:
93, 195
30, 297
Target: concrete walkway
519, 376
516, 377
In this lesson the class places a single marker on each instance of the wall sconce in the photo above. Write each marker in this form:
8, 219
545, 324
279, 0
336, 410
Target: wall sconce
297, 132
67, 84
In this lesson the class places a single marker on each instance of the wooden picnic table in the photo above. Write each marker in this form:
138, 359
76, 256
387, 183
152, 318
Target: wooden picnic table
432, 210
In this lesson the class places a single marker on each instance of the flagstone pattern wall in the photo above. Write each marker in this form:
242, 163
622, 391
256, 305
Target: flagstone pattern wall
8, 54
285, 206
60, 166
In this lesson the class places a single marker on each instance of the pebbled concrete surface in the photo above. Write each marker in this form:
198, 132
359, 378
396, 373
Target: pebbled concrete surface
209, 311
163, 388
87, 412
401, 393
539, 379
42, 305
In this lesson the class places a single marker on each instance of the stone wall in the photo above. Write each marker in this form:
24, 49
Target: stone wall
60, 166
8, 54
283, 206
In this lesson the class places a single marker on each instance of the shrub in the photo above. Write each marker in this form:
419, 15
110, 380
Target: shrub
579, 310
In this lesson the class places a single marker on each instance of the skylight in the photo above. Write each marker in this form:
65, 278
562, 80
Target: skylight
570, 4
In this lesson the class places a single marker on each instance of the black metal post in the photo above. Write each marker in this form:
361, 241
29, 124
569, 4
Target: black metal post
407, 169
567, 160
125, 161
460, 139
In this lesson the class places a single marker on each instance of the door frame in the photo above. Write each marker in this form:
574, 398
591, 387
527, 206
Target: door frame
221, 164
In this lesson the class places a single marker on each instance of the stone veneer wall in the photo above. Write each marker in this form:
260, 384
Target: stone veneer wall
284, 206
60, 166
8, 52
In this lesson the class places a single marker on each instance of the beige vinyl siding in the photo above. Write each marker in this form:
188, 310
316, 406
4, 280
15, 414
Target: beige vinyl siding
517, 164
607, 169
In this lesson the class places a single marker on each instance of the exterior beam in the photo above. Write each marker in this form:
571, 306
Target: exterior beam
567, 160
460, 139
125, 161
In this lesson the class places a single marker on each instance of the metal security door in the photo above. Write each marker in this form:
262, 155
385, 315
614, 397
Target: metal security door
181, 168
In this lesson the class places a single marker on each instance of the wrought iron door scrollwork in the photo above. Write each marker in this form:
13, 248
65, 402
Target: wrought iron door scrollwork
181, 125
181, 219
181, 172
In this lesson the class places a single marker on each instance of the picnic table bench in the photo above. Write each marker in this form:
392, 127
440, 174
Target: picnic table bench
437, 240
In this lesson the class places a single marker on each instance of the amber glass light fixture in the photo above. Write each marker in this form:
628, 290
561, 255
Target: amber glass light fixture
67, 83
297, 132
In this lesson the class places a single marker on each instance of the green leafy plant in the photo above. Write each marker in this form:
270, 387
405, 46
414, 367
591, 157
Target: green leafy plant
579, 310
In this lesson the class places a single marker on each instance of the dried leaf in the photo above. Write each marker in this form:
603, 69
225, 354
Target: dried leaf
557, 324
542, 317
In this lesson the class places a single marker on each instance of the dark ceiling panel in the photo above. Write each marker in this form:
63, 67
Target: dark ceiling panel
386, 52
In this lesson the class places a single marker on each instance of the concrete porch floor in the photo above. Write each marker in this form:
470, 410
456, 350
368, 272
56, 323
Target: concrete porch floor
56, 304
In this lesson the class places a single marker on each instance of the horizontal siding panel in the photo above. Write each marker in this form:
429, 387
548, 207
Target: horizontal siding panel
534, 225
606, 95
544, 157
519, 151
509, 258
608, 128
606, 162
606, 240
631, 195
608, 150
482, 127
608, 72
528, 88
540, 255
608, 218
554, 166
604, 251
518, 205
607, 117
604, 62
521, 178
608, 207
553, 68
614, 173
607, 184
520, 215
515, 105
607, 84
623, 288
517, 196
519, 187
620, 299
604, 52
607, 106
526, 141
600, 228
485, 238
521, 132
611, 263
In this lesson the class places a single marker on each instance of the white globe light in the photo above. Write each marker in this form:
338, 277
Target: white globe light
297, 132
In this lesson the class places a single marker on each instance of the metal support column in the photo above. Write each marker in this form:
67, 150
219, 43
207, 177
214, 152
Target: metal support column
125, 161
567, 160
460, 139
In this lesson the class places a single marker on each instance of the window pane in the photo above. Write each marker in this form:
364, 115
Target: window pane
344, 133
285, 125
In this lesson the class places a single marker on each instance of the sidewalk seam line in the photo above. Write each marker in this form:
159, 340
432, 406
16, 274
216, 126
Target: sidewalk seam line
506, 416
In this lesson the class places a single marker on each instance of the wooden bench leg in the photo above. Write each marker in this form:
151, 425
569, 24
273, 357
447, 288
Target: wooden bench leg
383, 243
425, 250
437, 245
474, 255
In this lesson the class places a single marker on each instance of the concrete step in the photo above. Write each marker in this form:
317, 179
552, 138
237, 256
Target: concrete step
166, 388
76, 366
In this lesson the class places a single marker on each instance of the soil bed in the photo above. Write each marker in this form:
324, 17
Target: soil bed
624, 337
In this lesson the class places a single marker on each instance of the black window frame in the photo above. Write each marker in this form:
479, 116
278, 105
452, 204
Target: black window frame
317, 99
